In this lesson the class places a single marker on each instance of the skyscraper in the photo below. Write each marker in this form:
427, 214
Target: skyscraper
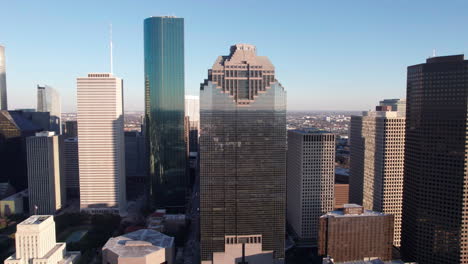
164, 110
310, 181
3, 88
376, 164
71, 167
101, 146
46, 181
48, 100
435, 198
242, 156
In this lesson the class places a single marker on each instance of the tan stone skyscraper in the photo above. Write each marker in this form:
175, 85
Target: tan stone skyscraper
101, 147
377, 154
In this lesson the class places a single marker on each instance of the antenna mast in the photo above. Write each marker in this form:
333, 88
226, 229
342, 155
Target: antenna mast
111, 55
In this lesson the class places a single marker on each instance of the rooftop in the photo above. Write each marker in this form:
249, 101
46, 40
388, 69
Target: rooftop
452, 58
35, 219
311, 131
352, 210
139, 243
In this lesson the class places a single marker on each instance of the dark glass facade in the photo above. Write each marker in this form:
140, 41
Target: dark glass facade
435, 196
164, 110
242, 153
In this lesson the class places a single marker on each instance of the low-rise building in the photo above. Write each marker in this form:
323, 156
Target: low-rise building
35, 243
144, 246
355, 234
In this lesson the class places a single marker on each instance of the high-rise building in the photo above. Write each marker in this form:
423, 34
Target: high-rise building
14, 129
3, 87
46, 181
135, 164
192, 111
71, 129
101, 146
376, 164
71, 167
48, 100
36, 243
398, 105
164, 111
355, 234
310, 181
435, 203
242, 155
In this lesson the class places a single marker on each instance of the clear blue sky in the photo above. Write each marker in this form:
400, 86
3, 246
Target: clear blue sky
329, 55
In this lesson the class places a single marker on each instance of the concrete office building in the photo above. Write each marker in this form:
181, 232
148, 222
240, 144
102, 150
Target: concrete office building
242, 153
355, 234
35, 243
45, 173
3, 87
398, 105
435, 198
164, 111
144, 246
71, 168
48, 100
310, 181
101, 146
376, 164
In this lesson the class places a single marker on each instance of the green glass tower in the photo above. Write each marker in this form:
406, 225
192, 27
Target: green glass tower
164, 111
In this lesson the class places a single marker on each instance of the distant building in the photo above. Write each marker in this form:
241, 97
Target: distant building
36, 243
376, 165
71, 129
397, 105
135, 164
341, 195
355, 234
14, 129
3, 87
310, 181
144, 246
71, 168
14, 204
101, 144
48, 100
46, 181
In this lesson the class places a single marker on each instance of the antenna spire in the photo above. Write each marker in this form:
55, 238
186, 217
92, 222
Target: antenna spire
111, 55
433, 52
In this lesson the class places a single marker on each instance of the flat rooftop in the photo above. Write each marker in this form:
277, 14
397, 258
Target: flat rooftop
310, 131
35, 219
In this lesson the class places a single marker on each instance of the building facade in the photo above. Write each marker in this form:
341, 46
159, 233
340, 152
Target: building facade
164, 111
71, 167
435, 204
242, 153
376, 165
46, 181
3, 87
101, 148
35, 243
48, 100
310, 181
355, 234
70, 129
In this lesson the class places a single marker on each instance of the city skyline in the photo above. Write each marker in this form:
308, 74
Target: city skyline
308, 45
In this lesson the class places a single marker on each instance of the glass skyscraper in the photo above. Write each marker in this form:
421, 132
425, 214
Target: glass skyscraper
242, 158
164, 110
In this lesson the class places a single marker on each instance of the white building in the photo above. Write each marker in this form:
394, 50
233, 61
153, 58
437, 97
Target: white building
377, 140
310, 181
144, 246
192, 110
101, 143
46, 184
36, 244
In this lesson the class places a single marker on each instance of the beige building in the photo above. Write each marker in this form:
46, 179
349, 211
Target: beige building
310, 181
101, 146
46, 184
236, 245
36, 244
144, 246
377, 155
